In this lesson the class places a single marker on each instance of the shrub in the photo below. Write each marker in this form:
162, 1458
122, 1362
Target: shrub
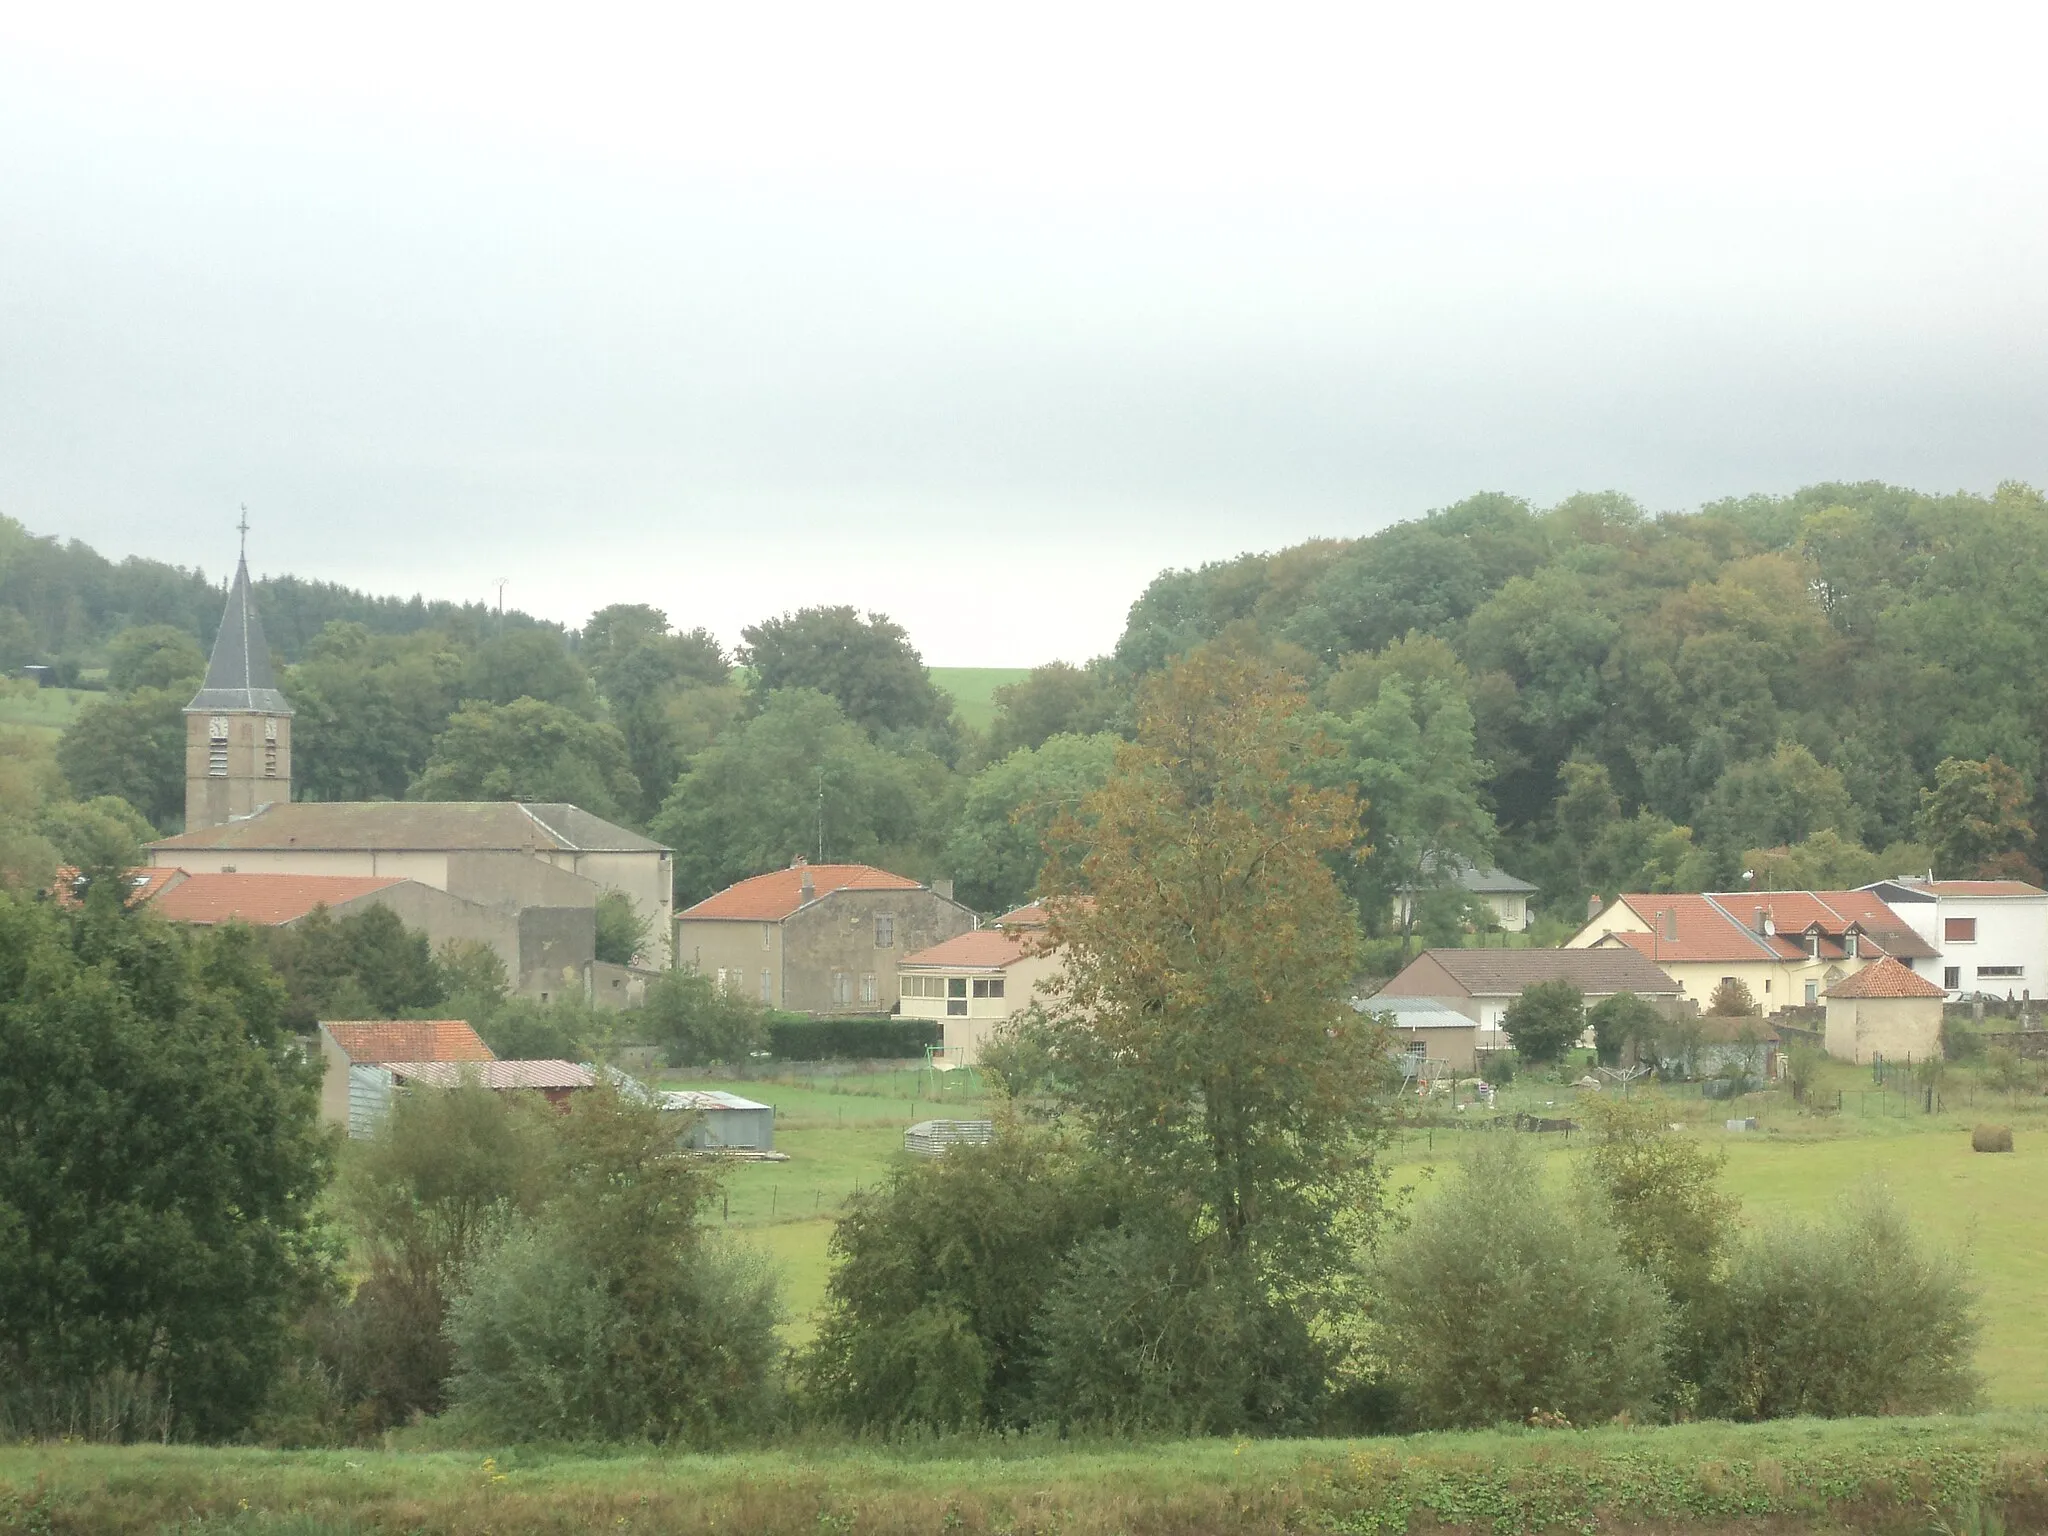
1960, 1041
1497, 1068
1622, 1021
1850, 1315
1661, 1191
622, 929
1802, 1067
2008, 1070
1732, 999
852, 1039
1147, 1331
1991, 1138
939, 1278
695, 1021
1498, 1302
1546, 1020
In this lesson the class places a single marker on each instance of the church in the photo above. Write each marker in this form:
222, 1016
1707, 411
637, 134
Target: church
524, 878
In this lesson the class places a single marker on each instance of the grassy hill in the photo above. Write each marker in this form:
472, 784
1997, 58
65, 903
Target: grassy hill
973, 689
42, 712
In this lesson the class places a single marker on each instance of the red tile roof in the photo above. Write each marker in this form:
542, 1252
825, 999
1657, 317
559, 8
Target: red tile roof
1719, 928
772, 897
1031, 915
268, 901
1979, 888
986, 949
142, 884
365, 1041
1887, 978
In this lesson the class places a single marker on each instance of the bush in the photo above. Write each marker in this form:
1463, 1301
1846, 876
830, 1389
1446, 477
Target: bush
852, 1039
1622, 1021
622, 929
1960, 1041
1732, 999
1499, 1302
1802, 1067
2008, 1070
939, 1278
1146, 1331
1661, 1191
1991, 1138
525, 1029
1546, 1020
696, 1022
1497, 1068
1846, 1316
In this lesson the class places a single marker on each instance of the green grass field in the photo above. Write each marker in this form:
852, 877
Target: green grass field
1977, 1475
42, 712
973, 690
841, 1134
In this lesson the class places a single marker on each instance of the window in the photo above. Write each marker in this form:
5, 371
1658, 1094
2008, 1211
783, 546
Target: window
1416, 1047
885, 931
1952, 978
867, 988
217, 747
1813, 946
956, 996
992, 987
910, 986
1852, 944
956, 1007
767, 935
1812, 993
2001, 972
767, 986
1959, 930
842, 988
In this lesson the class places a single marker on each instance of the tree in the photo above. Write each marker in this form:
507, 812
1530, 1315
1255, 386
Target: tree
1057, 699
643, 670
622, 929
1500, 1303
160, 1164
866, 665
998, 844
1732, 999
1208, 948
1623, 1023
365, 965
527, 664
528, 750
1786, 798
366, 709
697, 1022
1974, 819
1661, 1192
154, 656
131, 745
799, 773
1546, 1020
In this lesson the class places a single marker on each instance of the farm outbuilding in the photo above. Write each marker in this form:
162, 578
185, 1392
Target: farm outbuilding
373, 1085
1884, 1010
725, 1121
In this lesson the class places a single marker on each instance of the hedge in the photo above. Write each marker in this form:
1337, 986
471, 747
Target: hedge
852, 1039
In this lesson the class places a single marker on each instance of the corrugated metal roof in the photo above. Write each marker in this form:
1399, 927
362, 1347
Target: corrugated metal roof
422, 826
502, 1076
771, 897
1416, 1012
699, 1099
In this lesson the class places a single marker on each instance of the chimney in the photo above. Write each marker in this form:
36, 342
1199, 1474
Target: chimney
1593, 905
806, 888
1671, 924
1763, 921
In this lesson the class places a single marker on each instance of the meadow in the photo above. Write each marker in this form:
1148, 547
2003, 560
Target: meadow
40, 713
841, 1133
973, 690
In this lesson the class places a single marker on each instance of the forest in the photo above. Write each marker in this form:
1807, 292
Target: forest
1815, 689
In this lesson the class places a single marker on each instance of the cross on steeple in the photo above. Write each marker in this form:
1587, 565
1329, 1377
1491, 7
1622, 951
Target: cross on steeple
243, 528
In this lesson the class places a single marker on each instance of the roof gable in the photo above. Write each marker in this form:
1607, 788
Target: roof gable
771, 897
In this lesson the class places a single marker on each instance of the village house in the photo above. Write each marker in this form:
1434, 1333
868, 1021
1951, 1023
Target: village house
817, 938
351, 1095
1426, 1030
1786, 947
1504, 897
1884, 1010
1481, 983
1992, 934
974, 983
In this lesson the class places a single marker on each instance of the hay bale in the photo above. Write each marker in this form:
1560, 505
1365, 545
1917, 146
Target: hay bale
1991, 1138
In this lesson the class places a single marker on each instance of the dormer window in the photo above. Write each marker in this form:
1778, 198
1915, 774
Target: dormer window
1851, 944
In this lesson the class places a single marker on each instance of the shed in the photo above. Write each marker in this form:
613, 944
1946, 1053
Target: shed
929, 1138
1428, 1030
372, 1085
1884, 1010
724, 1120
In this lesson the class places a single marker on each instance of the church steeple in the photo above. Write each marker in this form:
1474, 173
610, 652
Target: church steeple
238, 745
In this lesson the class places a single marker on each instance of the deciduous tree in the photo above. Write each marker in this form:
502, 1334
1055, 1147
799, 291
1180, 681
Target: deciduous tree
1974, 818
1546, 1020
528, 750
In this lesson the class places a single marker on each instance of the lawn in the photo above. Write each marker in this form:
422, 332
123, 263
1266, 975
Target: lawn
1898, 1475
973, 690
840, 1134
42, 712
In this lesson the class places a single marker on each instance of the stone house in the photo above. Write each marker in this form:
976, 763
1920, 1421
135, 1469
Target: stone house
1884, 1010
822, 939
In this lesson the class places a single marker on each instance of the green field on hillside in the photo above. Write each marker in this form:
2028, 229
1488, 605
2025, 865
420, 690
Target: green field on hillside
42, 712
1978, 1475
973, 690
841, 1133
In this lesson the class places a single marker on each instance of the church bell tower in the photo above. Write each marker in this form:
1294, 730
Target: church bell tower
238, 727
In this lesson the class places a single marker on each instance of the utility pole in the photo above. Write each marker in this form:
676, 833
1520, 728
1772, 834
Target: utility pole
501, 583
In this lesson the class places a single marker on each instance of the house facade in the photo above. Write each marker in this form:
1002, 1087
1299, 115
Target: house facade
1427, 1030
1502, 894
1884, 1010
1787, 947
822, 939
1992, 934
974, 983
1481, 983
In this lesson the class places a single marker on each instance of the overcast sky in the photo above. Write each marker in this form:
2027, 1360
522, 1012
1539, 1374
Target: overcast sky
983, 315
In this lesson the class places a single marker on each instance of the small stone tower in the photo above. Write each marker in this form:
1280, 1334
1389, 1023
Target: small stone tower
238, 727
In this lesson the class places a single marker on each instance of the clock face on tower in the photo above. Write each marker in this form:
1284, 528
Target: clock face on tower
217, 728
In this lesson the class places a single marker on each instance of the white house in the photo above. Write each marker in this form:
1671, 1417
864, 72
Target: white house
1992, 935
972, 983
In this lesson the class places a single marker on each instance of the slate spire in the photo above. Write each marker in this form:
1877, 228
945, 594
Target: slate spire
239, 677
